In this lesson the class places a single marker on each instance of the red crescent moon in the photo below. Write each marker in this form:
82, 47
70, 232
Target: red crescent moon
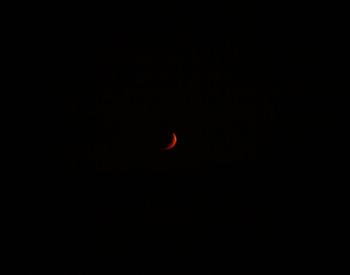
172, 144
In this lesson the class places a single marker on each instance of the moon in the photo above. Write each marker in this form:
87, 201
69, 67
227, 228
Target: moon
172, 144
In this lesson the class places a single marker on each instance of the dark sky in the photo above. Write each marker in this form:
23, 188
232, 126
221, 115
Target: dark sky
114, 97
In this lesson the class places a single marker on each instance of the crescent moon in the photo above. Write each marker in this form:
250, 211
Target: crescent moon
172, 144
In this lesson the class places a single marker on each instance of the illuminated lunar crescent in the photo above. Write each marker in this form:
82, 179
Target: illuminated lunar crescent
172, 144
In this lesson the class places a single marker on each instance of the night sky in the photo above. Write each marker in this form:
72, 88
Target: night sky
223, 196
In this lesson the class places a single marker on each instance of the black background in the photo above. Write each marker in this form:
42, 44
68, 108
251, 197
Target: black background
236, 89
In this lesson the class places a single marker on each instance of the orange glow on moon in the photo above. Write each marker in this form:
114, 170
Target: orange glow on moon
172, 144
